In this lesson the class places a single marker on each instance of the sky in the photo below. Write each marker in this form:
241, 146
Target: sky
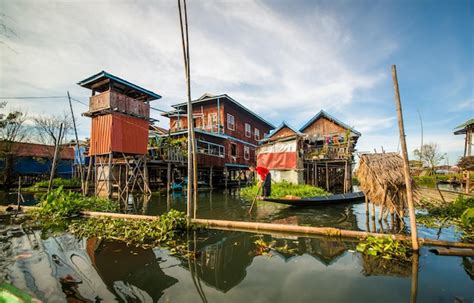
285, 60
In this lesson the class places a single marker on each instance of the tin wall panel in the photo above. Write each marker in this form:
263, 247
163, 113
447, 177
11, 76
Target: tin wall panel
101, 131
118, 133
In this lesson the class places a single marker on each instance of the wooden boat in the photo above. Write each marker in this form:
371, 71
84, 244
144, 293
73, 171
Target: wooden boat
320, 200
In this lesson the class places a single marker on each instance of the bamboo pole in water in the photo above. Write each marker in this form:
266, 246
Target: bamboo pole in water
406, 168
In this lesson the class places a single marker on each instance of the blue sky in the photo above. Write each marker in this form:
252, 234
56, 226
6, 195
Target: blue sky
285, 60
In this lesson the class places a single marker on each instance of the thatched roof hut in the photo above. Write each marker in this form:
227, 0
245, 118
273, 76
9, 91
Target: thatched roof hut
382, 180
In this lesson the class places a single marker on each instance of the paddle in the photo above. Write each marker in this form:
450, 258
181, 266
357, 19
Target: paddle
256, 195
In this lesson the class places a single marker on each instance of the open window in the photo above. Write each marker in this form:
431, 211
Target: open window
233, 150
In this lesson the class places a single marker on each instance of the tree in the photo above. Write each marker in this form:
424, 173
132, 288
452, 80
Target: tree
430, 155
47, 130
12, 131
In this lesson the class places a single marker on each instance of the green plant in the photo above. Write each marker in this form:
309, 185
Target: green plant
284, 188
163, 229
384, 247
61, 204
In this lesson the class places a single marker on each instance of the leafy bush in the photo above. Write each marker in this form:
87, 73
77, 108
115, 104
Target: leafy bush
282, 189
385, 247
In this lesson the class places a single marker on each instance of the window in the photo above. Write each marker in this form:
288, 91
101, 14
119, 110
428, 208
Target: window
230, 122
257, 134
210, 148
233, 150
248, 130
246, 153
212, 121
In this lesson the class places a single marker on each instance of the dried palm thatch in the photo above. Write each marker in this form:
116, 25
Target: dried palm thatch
382, 180
467, 163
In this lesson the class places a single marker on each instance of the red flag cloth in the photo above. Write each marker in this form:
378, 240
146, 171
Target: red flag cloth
262, 172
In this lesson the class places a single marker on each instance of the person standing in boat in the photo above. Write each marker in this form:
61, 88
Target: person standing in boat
265, 180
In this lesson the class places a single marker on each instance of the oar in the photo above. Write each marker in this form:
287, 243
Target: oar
255, 199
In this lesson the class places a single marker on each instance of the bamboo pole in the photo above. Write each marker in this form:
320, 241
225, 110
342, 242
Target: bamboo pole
406, 168
55, 157
414, 277
189, 198
453, 252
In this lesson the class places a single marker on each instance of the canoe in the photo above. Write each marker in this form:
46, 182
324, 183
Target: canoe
321, 200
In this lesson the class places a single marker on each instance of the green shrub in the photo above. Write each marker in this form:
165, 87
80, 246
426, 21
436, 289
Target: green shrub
284, 188
57, 182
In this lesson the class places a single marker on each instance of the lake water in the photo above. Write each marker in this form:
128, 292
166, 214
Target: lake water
230, 266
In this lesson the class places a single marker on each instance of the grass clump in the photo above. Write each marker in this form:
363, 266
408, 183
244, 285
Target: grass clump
57, 182
284, 188
385, 248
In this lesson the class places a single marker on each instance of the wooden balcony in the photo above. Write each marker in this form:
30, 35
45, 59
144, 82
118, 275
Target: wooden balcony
110, 100
328, 153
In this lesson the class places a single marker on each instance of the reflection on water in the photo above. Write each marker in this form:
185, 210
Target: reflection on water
228, 266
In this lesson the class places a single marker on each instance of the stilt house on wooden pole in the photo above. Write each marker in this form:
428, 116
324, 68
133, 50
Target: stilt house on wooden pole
467, 161
320, 153
120, 113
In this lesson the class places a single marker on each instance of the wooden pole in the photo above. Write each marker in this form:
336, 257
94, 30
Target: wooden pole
109, 177
19, 195
406, 167
81, 172
327, 177
210, 178
189, 198
55, 157
414, 277
168, 177
89, 168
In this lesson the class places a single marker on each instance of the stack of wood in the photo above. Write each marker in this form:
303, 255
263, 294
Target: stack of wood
383, 182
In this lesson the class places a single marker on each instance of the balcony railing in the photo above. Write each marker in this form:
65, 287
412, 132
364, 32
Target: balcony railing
328, 153
111, 100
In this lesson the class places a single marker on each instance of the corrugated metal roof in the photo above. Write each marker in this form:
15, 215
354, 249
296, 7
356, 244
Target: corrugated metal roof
461, 129
209, 97
88, 82
26, 149
322, 113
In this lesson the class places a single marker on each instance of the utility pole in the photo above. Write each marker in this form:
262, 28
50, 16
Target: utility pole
81, 172
406, 168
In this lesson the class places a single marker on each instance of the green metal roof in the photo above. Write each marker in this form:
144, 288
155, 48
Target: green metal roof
88, 82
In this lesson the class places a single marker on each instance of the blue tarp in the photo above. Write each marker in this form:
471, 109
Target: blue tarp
40, 166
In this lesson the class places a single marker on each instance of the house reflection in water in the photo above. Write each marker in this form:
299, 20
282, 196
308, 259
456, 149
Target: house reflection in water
222, 259
131, 273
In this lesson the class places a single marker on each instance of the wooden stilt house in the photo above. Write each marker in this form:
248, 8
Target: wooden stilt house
320, 153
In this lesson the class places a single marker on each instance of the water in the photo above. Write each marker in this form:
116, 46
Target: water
230, 266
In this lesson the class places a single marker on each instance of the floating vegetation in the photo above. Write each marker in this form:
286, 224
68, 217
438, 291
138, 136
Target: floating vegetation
459, 213
385, 248
146, 233
264, 248
60, 204
282, 189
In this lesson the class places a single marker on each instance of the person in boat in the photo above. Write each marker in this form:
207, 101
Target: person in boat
265, 180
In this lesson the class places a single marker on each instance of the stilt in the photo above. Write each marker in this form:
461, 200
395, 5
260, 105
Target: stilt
168, 177
226, 177
373, 210
146, 177
109, 177
210, 178
366, 205
315, 173
327, 177
89, 168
